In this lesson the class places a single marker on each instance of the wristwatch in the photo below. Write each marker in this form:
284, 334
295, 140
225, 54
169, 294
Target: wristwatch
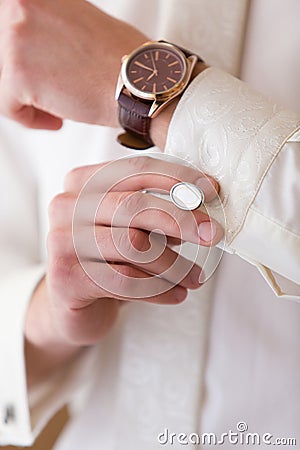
150, 78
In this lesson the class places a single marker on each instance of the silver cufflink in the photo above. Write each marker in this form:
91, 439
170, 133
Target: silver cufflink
186, 196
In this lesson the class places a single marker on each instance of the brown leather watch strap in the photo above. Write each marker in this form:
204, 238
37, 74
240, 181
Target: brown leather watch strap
186, 52
133, 117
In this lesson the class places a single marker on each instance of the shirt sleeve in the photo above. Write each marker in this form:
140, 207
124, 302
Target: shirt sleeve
23, 413
252, 147
15, 291
20, 271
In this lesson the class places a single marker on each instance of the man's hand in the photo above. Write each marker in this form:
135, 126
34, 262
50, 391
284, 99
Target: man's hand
85, 285
60, 59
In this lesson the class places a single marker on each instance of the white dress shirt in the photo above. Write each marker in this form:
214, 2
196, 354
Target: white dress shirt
230, 353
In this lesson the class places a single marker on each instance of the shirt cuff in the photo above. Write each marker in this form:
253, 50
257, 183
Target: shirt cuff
68, 386
234, 134
15, 293
23, 413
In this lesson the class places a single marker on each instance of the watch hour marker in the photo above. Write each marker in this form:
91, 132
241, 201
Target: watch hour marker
173, 64
143, 87
133, 71
168, 56
154, 88
171, 79
177, 71
156, 56
146, 56
138, 79
165, 87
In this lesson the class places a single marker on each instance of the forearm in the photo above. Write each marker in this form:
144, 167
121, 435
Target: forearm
55, 333
45, 349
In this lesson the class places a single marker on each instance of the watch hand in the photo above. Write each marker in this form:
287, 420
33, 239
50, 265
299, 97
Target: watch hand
154, 66
143, 66
152, 75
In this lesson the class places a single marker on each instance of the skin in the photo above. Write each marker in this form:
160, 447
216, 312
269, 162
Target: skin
40, 89
68, 310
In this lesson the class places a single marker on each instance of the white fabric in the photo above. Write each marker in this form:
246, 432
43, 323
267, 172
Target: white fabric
235, 135
231, 351
13, 375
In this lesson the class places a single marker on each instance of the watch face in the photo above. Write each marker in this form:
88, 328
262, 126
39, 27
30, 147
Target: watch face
155, 70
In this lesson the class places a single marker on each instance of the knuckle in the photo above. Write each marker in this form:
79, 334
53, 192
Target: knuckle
130, 242
15, 61
133, 203
61, 204
122, 278
65, 280
140, 163
76, 275
122, 243
58, 242
176, 223
138, 240
79, 177
18, 24
18, 10
168, 222
120, 198
59, 273
178, 172
22, 4
183, 223
72, 178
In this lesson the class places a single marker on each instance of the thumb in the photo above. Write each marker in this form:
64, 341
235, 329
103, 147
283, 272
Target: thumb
31, 117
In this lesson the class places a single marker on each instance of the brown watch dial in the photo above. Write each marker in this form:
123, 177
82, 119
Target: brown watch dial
155, 70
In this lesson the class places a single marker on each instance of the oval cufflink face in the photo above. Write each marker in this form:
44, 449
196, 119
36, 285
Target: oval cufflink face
186, 196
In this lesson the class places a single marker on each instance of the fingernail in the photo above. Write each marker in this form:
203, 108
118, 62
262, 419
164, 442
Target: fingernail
202, 277
207, 231
207, 187
195, 275
180, 293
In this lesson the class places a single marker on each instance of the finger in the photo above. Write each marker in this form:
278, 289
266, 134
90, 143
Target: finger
134, 210
125, 282
85, 284
34, 118
31, 117
120, 244
148, 253
27, 115
61, 210
145, 211
174, 241
130, 174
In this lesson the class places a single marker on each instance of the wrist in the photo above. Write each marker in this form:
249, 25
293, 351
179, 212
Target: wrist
45, 349
160, 124
108, 96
